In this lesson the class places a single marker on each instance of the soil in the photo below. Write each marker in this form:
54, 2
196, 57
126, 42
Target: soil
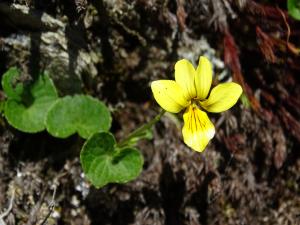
112, 50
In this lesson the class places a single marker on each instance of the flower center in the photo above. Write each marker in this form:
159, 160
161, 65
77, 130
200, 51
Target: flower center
195, 103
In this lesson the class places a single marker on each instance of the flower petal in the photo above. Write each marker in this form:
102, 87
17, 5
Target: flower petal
184, 76
222, 97
203, 78
169, 95
198, 130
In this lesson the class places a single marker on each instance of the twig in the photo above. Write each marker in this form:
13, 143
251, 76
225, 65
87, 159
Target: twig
51, 206
132, 32
52, 203
287, 26
8, 209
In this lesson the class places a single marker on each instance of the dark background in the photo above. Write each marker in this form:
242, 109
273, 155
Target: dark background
112, 50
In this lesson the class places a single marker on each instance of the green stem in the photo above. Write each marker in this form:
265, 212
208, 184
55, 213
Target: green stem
139, 131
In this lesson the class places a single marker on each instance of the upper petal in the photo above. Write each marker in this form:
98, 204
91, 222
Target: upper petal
203, 78
169, 95
185, 77
222, 97
198, 130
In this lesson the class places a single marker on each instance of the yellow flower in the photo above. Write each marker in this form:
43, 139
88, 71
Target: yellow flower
190, 90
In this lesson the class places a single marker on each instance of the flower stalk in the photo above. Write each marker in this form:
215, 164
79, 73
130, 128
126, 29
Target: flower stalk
139, 132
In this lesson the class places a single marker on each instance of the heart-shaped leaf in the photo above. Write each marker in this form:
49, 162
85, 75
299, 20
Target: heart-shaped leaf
27, 105
80, 114
103, 163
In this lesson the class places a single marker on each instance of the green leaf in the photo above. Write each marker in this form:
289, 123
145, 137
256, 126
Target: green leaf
245, 101
27, 105
2, 106
294, 8
11, 85
103, 163
80, 114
